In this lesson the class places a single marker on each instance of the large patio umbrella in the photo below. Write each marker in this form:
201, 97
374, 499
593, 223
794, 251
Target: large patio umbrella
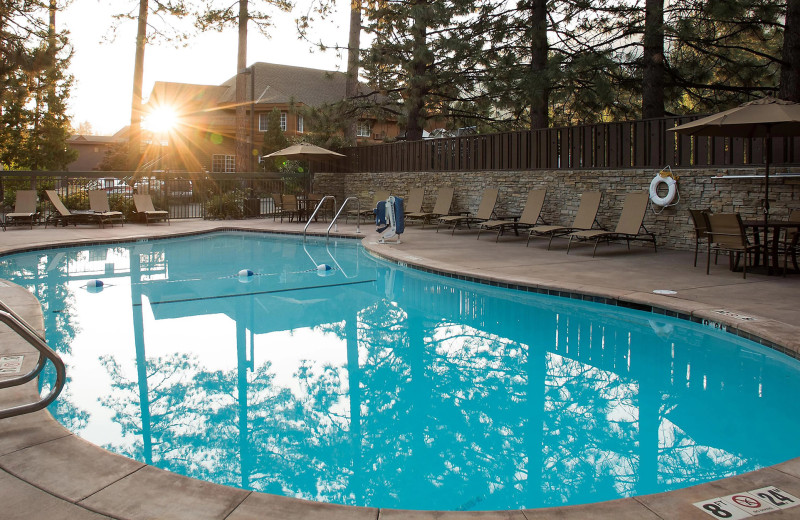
306, 152
763, 118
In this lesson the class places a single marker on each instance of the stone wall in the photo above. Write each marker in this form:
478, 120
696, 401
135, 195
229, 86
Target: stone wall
719, 190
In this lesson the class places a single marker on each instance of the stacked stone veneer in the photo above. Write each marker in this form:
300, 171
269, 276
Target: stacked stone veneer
710, 188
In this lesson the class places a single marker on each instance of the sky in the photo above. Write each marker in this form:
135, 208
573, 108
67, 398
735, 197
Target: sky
103, 69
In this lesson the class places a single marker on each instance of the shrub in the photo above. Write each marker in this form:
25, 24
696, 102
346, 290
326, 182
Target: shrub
225, 206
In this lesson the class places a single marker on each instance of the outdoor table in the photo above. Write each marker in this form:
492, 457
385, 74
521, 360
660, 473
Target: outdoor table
770, 253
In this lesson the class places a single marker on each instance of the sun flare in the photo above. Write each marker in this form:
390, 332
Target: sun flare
161, 120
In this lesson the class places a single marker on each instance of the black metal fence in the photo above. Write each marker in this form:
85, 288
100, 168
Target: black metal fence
199, 195
630, 144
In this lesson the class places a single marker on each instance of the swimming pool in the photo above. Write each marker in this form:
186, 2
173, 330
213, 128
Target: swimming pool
403, 390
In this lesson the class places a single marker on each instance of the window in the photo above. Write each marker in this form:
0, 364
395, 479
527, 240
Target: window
299, 124
363, 129
262, 122
223, 163
283, 121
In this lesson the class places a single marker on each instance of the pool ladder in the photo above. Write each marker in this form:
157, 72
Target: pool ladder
27, 333
333, 221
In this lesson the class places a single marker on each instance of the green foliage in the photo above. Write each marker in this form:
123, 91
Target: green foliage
35, 87
225, 206
124, 204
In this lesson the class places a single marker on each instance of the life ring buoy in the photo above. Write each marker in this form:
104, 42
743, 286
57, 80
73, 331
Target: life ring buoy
672, 189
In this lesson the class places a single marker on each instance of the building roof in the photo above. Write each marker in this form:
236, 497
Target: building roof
284, 84
92, 139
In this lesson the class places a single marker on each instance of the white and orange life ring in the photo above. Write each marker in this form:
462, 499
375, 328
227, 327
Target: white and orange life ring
664, 177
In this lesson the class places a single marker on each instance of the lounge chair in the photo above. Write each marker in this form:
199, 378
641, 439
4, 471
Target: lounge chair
727, 233
485, 212
364, 212
62, 215
585, 218
144, 206
276, 204
24, 208
414, 200
531, 215
98, 202
630, 225
444, 199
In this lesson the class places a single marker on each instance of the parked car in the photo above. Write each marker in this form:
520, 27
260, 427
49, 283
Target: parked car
179, 189
111, 185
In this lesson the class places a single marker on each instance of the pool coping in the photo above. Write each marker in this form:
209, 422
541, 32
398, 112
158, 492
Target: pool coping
40, 433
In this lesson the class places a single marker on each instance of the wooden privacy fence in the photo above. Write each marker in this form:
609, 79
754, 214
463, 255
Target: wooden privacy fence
630, 144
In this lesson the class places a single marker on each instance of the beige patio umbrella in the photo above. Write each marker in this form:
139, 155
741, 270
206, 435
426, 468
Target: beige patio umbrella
307, 152
763, 118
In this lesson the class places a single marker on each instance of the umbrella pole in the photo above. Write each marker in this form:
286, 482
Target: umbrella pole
767, 259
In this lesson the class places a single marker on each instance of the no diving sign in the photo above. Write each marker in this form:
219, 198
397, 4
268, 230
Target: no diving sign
750, 503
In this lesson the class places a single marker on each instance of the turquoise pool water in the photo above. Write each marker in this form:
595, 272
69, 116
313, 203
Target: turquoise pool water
372, 384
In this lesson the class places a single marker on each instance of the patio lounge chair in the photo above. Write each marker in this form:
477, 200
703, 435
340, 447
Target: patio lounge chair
444, 199
367, 211
62, 215
98, 202
414, 200
585, 218
531, 215
790, 242
630, 225
726, 233
144, 206
485, 212
24, 208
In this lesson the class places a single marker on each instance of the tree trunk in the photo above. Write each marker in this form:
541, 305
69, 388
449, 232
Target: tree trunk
242, 146
418, 80
353, 49
539, 81
790, 66
135, 139
653, 74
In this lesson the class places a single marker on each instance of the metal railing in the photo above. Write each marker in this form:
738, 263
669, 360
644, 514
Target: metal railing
27, 333
314, 214
344, 204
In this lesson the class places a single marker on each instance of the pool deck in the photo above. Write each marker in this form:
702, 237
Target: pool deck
46, 472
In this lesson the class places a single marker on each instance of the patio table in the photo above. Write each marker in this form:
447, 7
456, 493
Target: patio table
771, 252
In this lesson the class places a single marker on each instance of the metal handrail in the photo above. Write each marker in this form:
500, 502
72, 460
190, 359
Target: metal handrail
314, 214
27, 333
358, 209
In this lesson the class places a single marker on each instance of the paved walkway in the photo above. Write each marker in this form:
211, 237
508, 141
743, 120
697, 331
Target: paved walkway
46, 472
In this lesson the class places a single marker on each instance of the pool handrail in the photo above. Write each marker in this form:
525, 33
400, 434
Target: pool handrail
314, 214
26, 332
358, 209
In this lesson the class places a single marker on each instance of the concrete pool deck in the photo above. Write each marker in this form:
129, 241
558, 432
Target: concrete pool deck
46, 472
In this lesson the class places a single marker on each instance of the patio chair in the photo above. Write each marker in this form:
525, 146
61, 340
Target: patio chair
630, 225
727, 233
98, 202
484, 213
444, 199
277, 205
364, 212
289, 207
314, 200
790, 242
531, 215
24, 208
144, 206
62, 215
585, 218
414, 200
700, 221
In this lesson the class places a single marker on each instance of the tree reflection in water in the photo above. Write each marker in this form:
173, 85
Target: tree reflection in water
442, 394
